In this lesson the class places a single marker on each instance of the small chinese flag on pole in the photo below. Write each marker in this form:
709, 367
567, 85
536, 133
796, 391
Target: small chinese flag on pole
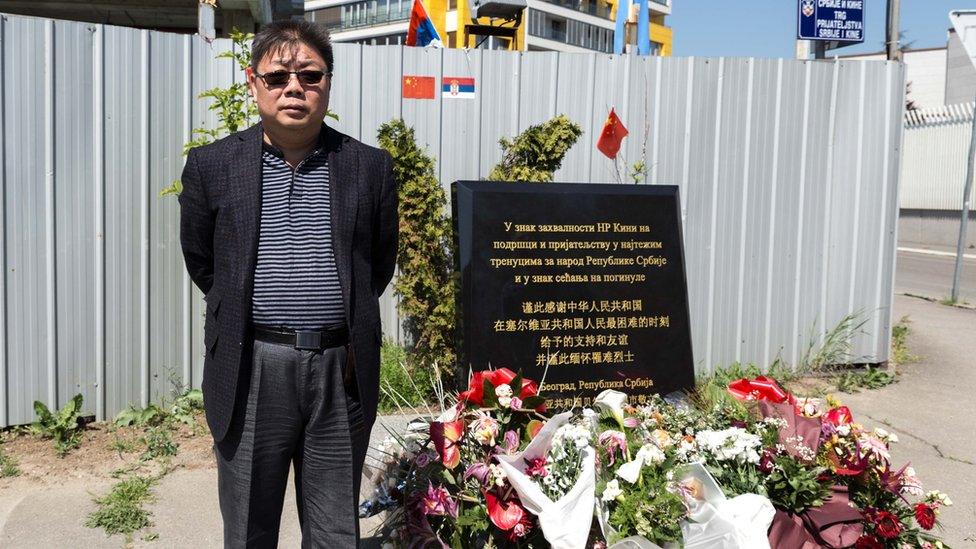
613, 133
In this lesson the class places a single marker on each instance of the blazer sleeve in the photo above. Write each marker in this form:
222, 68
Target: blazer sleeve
386, 229
196, 225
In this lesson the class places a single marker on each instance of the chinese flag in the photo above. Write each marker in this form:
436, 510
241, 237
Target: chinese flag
418, 87
613, 133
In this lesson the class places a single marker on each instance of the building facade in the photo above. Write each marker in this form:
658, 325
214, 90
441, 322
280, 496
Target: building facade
546, 25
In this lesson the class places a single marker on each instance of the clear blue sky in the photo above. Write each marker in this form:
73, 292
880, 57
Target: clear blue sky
767, 28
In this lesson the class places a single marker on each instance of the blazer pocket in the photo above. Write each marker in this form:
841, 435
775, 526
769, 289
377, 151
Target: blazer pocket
210, 330
210, 339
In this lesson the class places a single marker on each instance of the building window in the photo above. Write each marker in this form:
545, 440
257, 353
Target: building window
576, 33
360, 14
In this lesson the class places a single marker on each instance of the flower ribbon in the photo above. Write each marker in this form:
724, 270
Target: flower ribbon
502, 376
834, 524
761, 388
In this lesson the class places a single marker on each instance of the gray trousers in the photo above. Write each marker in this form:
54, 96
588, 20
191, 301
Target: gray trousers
299, 412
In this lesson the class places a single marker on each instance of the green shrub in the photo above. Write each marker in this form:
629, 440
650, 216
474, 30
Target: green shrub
62, 426
536, 153
425, 283
400, 384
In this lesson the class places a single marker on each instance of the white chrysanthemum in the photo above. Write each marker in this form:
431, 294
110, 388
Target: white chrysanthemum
732, 444
651, 454
612, 490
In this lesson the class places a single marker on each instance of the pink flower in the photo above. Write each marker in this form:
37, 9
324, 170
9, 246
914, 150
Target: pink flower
613, 442
479, 471
536, 468
437, 501
515, 404
511, 442
484, 429
422, 460
631, 422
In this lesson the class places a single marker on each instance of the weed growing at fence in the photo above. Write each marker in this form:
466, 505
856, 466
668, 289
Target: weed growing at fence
159, 443
899, 342
872, 378
121, 446
8, 465
61, 426
837, 347
121, 511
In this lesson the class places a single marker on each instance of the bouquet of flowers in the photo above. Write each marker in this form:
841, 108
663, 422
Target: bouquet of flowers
758, 467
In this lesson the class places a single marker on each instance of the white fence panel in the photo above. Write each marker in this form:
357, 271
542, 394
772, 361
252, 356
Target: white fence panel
788, 173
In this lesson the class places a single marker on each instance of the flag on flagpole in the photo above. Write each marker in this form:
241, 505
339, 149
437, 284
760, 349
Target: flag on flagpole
613, 133
422, 32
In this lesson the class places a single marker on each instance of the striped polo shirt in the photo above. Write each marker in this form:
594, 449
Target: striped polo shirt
296, 283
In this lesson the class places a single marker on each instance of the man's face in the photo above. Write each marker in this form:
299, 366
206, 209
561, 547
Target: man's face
294, 104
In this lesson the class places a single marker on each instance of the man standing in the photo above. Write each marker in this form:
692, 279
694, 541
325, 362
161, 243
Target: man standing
290, 229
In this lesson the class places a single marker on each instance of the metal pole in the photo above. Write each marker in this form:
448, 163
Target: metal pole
819, 49
892, 32
966, 198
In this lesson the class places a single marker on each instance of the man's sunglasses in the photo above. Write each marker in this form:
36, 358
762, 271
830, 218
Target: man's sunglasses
280, 78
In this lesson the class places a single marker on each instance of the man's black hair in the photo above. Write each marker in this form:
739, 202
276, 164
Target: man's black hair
288, 36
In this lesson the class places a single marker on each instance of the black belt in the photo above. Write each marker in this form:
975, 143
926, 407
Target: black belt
306, 340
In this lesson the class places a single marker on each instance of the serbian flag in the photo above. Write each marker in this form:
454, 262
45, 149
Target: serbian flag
422, 32
613, 133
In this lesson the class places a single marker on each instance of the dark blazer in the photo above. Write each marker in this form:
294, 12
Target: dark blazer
219, 223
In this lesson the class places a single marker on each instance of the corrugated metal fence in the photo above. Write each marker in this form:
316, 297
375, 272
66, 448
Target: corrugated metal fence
788, 173
935, 159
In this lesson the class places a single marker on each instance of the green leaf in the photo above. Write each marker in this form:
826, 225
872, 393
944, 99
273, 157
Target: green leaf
488, 390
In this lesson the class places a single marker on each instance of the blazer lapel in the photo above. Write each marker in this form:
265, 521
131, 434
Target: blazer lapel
245, 175
343, 194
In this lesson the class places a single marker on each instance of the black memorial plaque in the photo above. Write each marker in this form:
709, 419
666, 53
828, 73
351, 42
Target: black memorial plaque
585, 280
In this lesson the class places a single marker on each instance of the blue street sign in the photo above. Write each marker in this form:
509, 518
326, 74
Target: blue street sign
832, 20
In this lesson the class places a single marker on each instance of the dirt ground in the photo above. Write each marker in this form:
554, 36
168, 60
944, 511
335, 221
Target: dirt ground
99, 455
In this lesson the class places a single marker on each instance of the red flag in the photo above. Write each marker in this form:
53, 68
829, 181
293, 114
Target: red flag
418, 87
613, 133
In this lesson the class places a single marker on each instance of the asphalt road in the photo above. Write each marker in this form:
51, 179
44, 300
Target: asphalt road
930, 274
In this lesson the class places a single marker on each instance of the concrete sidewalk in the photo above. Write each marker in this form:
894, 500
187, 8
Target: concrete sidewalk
931, 409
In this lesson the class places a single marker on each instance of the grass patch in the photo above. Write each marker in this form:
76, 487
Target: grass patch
899, 342
121, 445
121, 511
872, 378
401, 384
8, 465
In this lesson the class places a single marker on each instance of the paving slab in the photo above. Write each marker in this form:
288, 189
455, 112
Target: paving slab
932, 409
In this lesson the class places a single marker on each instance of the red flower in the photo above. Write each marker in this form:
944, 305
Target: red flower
536, 467
761, 388
886, 524
503, 514
446, 436
521, 529
502, 376
925, 515
868, 542
839, 416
